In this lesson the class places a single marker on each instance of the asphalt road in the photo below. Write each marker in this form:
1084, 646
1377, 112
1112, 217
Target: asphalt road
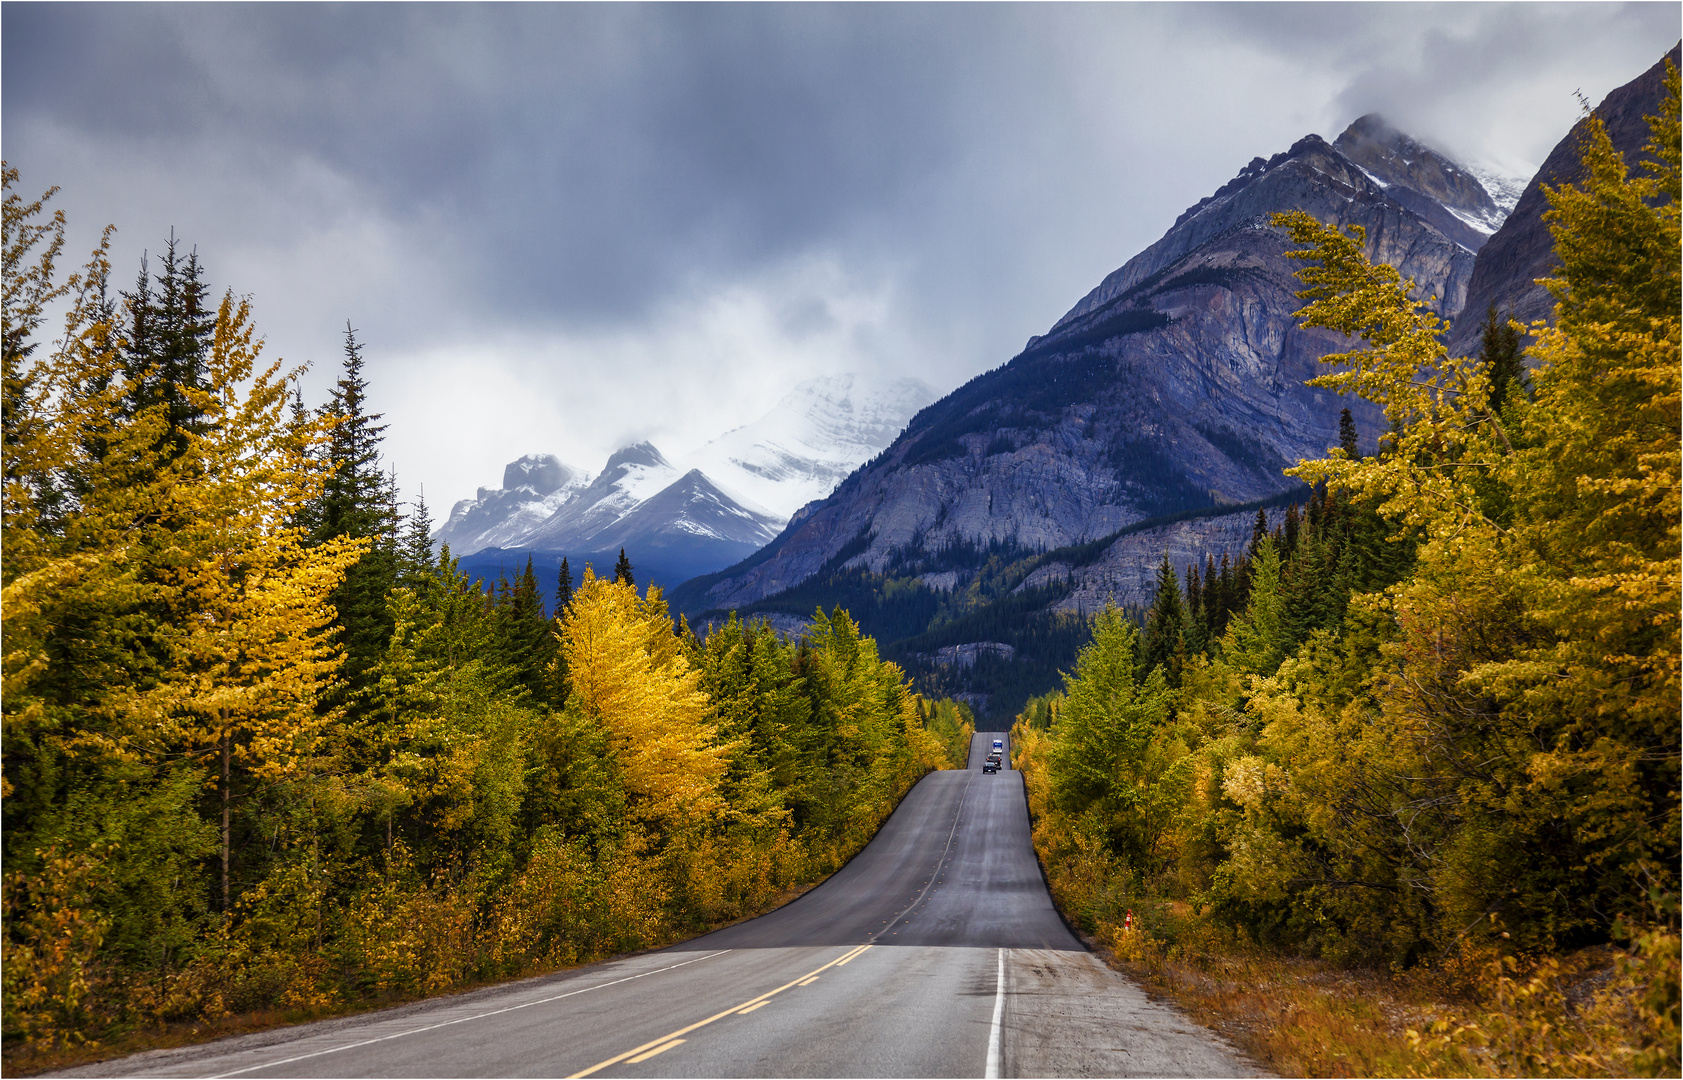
935, 952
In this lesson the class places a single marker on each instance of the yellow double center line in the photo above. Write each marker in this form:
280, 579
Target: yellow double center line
672, 1039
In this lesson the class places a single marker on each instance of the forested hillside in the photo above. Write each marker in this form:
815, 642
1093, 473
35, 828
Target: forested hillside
264, 752
1442, 733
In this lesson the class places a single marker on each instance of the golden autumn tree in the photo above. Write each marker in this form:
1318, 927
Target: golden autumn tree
247, 647
163, 622
1534, 676
630, 677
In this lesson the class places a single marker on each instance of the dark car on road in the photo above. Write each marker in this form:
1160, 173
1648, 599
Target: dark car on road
991, 764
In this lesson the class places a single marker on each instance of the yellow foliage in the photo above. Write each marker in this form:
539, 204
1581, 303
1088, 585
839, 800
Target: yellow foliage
629, 676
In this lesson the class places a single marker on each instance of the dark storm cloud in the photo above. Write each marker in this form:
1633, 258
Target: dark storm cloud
592, 155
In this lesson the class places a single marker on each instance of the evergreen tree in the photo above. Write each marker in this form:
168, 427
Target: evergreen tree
1113, 754
1259, 639
1164, 626
527, 643
1259, 532
1348, 440
563, 589
169, 338
357, 501
416, 565
1503, 357
622, 570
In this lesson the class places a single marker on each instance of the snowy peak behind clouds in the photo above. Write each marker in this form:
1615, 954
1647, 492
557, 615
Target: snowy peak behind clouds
811, 440
1444, 192
727, 499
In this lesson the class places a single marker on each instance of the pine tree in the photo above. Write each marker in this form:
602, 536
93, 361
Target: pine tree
622, 570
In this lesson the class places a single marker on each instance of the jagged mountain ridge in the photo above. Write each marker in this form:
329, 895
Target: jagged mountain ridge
684, 519
534, 488
1176, 384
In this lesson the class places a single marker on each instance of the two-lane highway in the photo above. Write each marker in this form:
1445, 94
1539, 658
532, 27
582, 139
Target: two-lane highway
935, 952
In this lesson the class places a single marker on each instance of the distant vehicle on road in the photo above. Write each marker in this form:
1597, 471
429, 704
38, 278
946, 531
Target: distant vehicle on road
992, 763
999, 746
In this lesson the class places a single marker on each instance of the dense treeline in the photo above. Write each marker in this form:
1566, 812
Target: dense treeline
1444, 722
263, 749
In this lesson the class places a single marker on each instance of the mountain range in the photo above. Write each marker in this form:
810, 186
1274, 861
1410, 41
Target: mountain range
1155, 416
718, 505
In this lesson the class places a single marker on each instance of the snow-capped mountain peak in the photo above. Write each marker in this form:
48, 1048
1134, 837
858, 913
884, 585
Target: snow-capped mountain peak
811, 440
1504, 183
534, 488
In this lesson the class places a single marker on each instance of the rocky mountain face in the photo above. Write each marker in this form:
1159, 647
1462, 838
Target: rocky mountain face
1175, 386
1522, 250
1442, 192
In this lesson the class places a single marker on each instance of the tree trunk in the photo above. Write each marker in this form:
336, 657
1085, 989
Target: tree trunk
227, 831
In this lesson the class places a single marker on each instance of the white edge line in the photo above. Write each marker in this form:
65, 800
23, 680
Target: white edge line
998, 1014
462, 1019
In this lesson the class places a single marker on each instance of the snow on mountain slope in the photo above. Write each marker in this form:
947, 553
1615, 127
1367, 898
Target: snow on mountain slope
534, 488
810, 441
691, 508
632, 476
1505, 184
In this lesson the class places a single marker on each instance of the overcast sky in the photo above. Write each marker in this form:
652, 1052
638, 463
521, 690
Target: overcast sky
562, 228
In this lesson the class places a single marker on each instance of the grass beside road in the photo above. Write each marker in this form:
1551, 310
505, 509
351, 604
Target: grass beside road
1577, 1014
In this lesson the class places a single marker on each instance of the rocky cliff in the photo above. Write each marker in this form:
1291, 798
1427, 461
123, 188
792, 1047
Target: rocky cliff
1175, 385
1522, 251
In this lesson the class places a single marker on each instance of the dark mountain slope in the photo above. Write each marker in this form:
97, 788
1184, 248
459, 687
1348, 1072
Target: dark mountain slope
1177, 384
1522, 250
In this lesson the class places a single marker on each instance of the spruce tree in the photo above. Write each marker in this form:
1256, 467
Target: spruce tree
527, 644
1503, 358
417, 567
169, 336
1289, 530
358, 501
1348, 440
1164, 626
563, 589
1259, 532
622, 570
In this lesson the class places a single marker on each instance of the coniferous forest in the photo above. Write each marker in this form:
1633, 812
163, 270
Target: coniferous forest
265, 751
1441, 732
